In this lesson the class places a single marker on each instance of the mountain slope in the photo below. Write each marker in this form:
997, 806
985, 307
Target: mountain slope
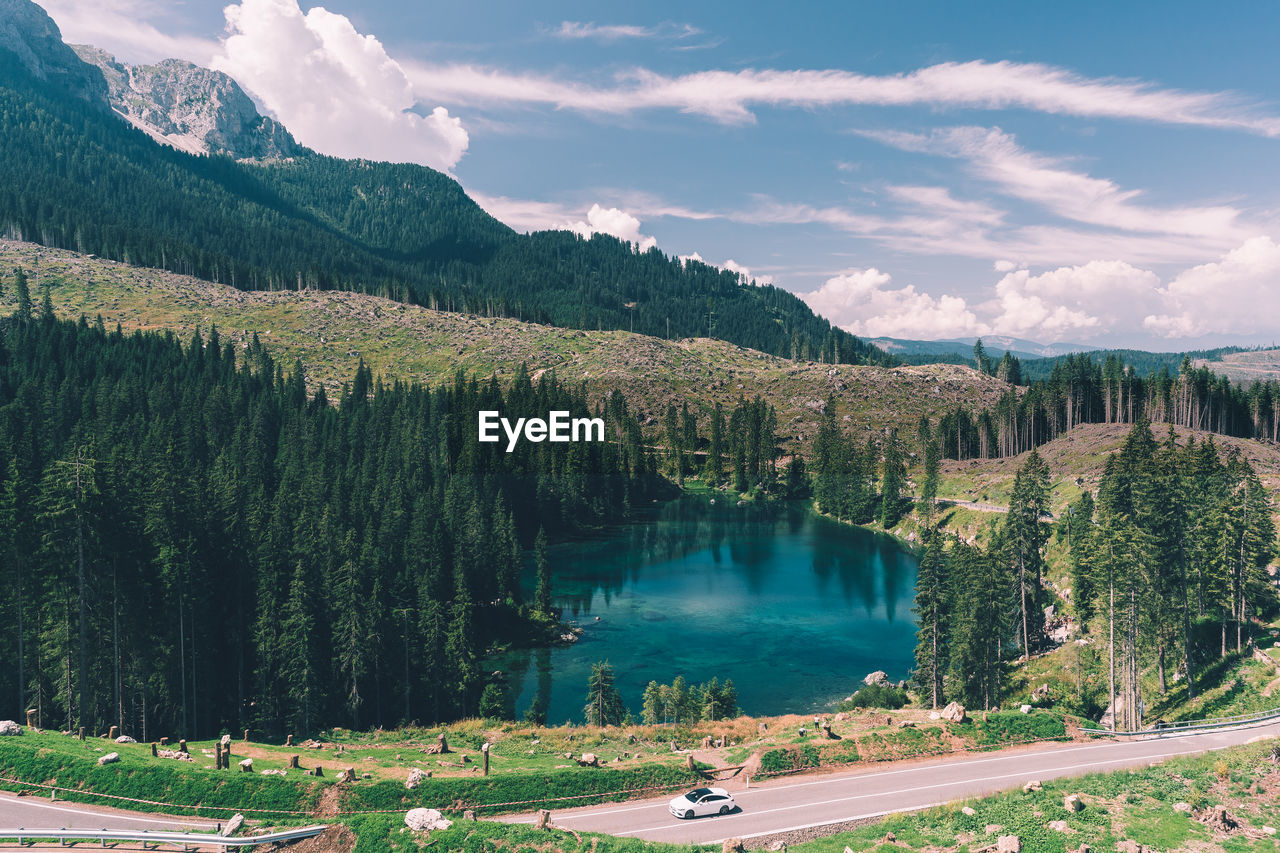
73, 175
189, 107
332, 332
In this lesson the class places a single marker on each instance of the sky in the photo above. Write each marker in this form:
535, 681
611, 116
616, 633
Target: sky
1097, 173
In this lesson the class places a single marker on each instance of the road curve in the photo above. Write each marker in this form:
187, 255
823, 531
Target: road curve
801, 803
39, 813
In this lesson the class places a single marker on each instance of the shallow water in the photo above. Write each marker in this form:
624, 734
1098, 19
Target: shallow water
794, 608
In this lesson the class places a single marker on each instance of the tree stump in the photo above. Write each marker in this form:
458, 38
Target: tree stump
164, 741
31, 718
155, 753
288, 740
246, 735
182, 746
484, 751
688, 761
81, 733
544, 819
293, 762
114, 733
217, 756
469, 814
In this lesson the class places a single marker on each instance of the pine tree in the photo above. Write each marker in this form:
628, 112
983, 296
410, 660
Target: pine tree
22, 293
542, 595
604, 704
1026, 535
715, 453
932, 608
895, 478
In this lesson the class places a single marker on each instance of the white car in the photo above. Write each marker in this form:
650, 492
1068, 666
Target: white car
703, 801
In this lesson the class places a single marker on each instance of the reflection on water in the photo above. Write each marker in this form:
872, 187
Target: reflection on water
794, 608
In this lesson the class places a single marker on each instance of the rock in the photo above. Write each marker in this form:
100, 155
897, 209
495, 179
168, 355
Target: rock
125, 739
907, 724
968, 810
1218, 818
9, 728
733, 845
415, 779
233, 826
954, 713
589, 759
274, 773
1033, 785
1050, 612
347, 775
934, 715
1009, 844
1269, 830
226, 740
1073, 803
425, 820
246, 766
1026, 709
109, 758
993, 828
1182, 807
877, 677
1059, 826
841, 717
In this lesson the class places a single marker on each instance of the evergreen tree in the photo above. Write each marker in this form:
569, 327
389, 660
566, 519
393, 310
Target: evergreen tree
604, 704
932, 608
542, 559
22, 293
895, 478
1026, 534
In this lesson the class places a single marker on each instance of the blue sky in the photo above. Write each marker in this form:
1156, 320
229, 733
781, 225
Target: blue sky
1091, 172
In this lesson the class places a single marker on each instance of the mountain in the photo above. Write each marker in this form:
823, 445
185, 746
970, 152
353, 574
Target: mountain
30, 35
995, 345
74, 175
189, 107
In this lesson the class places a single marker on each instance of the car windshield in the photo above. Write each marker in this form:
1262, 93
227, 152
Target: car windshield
694, 796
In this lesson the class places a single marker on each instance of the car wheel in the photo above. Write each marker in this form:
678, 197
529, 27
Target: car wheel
689, 814
724, 810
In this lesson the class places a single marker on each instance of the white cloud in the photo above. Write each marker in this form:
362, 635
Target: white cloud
612, 221
861, 302
1079, 301
1237, 294
119, 26
744, 273
337, 90
614, 32
729, 96
1004, 266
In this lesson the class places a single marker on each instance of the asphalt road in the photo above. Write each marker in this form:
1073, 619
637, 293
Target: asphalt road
801, 803
37, 812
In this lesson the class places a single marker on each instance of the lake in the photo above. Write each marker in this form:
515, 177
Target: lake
794, 608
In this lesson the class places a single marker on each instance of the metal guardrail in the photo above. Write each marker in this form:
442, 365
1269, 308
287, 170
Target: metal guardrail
1193, 725
154, 838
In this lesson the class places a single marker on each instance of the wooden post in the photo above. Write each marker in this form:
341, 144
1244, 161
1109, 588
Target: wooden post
82, 733
114, 733
293, 762
154, 752
485, 752
544, 819
246, 735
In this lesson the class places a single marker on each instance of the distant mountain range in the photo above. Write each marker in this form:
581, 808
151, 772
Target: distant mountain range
171, 166
995, 345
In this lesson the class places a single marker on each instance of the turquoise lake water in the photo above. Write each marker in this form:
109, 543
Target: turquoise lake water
794, 608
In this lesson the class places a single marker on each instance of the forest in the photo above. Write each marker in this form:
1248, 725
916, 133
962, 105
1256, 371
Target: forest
1168, 573
1080, 390
75, 176
193, 544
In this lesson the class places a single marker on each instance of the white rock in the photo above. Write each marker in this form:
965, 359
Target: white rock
415, 779
425, 820
877, 677
109, 758
9, 727
125, 739
969, 811
1009, 844
954, 713
1033, 785
1026, 709
246, 766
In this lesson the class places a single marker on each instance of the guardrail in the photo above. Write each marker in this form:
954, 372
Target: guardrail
1193, 725
150, 838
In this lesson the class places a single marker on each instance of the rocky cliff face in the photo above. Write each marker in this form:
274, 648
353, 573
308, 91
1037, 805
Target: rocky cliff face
28, 32
189, 107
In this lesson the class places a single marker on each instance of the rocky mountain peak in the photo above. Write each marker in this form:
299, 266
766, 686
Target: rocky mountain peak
28, 32
190, 107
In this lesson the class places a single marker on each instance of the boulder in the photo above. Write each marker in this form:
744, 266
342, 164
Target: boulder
733, 845
9, 727
968, 810
1026, 709
125, 739
109, 758
1073, 803
1033, 785
589, 759
233, 826
246, 766
877, 677
274, 773
425, 820
1185, 808
992, 828
415, 779
954, 713
1009, 844
1059, 826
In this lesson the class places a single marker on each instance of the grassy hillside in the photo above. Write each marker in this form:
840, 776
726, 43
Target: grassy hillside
1246, 367
330, 332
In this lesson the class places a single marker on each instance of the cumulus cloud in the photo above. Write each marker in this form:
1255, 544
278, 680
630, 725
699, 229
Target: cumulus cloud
337, 90
862, 302
1237, 294
744, 273
1078, 301
729, 96
612, 221
121, 27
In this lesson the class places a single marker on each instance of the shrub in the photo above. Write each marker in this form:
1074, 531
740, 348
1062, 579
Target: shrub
876, 696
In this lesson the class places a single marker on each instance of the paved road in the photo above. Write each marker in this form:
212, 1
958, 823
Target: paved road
800, 803
39, 813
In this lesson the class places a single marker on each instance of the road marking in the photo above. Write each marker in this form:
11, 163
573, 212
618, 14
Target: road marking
90, 813
1059, 770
